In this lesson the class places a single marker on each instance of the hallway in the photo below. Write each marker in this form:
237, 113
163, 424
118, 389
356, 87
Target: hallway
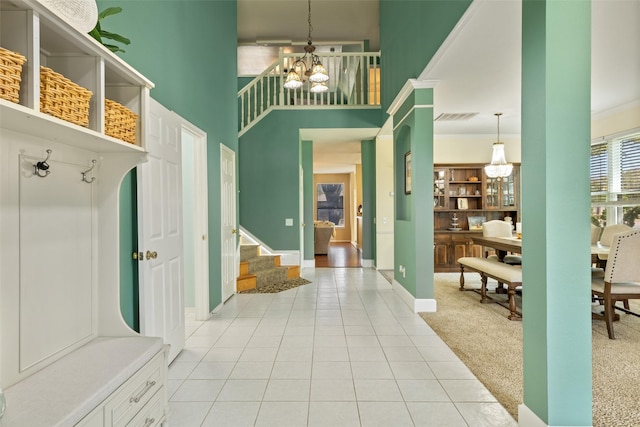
341, 254
344, 350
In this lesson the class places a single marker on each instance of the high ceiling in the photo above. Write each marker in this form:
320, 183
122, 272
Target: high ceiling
479, 69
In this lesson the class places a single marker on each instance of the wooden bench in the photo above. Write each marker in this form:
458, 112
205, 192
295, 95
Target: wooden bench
505, 274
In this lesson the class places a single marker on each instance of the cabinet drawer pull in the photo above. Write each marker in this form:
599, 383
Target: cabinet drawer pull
148, 422
147, 387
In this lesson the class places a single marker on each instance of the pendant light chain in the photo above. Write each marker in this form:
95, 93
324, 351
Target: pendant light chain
310, 26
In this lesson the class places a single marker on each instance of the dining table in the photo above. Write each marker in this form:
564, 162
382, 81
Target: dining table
503, 245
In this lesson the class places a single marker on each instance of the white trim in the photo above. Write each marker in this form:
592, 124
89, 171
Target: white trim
409, 112
309, 263
201, 252
417, 305
291, 257
527, 418
407, 89
425, 305
367, 263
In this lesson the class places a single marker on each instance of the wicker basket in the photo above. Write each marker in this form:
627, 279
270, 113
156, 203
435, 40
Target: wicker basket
119, 121
62, 98
10, 70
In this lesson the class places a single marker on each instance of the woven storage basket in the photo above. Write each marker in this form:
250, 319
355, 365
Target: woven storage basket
10, 70
62, 98
119, 121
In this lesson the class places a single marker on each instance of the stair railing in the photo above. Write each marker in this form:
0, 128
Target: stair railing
354, 81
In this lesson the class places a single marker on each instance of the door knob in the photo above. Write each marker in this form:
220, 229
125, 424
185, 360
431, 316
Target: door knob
152, 255
234, 231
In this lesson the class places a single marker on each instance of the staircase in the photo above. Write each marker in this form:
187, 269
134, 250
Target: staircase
354, 81
257, 271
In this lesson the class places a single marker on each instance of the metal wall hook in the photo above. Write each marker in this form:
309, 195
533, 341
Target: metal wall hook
42, 166
84, 174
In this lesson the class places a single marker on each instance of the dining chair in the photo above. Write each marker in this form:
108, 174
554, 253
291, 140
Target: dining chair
621, 280
498, 228
595, 234
606, 238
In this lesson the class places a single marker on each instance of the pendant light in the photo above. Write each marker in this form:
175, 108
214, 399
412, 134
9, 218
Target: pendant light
498, 168
310, 64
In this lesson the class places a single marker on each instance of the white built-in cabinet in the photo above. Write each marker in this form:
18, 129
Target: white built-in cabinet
59, 246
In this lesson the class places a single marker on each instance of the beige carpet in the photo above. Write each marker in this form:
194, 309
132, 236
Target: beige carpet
495, 354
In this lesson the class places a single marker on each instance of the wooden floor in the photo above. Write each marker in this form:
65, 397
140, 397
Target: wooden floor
340, 255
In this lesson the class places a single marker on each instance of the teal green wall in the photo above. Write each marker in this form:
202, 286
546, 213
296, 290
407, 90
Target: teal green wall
188, 49
306, 156
413, 232
269, 166
368, 150
556, 84
129, 296
411, 31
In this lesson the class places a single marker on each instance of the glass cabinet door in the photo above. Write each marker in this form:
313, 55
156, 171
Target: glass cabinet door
492, 193
502, 193
439, 200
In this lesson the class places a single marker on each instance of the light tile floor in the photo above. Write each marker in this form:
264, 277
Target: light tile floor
344, 350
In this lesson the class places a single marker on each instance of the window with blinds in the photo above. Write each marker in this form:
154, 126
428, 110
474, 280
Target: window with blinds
630, 169
615, 181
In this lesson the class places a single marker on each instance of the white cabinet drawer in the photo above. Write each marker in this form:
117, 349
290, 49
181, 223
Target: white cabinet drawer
152, 414
135, 393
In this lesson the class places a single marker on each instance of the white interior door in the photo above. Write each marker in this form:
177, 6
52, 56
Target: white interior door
199, 217
228, 221
160, 231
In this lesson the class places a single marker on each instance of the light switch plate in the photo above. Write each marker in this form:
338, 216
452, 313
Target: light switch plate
288, 222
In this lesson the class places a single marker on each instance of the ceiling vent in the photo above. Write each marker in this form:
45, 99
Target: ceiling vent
454, 117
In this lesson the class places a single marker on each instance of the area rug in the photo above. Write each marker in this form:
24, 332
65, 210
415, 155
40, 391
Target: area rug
491, 346
277, 287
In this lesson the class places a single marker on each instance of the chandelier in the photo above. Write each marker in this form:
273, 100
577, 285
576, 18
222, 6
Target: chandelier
310, 65
499, 168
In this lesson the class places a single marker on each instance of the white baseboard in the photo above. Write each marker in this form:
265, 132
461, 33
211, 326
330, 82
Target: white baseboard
309, 263
528, 418
417, 305
289, 257
367, 263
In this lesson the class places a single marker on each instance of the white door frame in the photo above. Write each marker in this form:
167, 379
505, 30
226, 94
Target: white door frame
230, 230
200, 219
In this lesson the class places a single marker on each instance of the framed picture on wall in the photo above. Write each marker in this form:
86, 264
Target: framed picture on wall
463, 203
475, 222
407, 172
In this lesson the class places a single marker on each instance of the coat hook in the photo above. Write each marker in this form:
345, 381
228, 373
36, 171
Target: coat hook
84, 174
42, 166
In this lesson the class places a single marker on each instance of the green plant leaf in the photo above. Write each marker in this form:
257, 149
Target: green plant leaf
113, 48
109, 11
95, 33
115, 37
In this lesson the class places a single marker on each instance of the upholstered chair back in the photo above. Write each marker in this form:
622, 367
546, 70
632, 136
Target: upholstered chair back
496, 228
624, 258
595, 234
611, 230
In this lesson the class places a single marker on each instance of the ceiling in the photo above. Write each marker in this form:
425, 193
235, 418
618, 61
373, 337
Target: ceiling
478, 69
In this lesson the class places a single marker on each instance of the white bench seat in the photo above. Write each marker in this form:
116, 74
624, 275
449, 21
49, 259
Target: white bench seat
504, 273
63, 393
